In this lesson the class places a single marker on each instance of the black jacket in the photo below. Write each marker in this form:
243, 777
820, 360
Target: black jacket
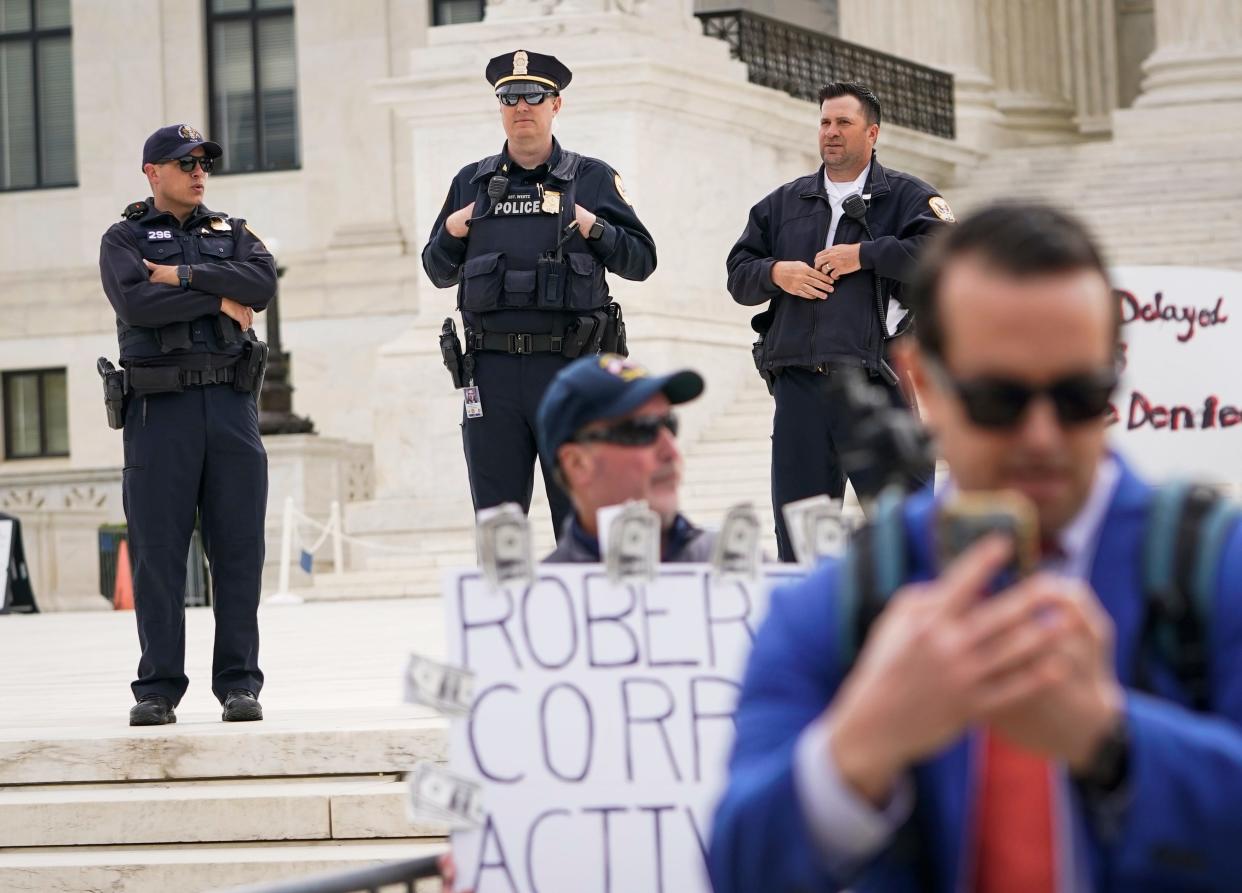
791, 223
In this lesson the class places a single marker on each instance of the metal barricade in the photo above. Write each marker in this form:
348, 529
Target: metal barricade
360, 880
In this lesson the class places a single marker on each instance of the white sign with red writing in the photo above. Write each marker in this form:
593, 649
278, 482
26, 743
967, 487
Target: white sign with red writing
1179, 407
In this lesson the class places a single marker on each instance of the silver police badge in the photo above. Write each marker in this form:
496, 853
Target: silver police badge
186, 132
219, 224
521, 61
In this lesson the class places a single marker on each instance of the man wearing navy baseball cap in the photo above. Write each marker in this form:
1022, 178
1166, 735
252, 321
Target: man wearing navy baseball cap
185, 282
606, 428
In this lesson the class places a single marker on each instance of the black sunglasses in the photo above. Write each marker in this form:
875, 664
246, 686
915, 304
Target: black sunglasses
642, 431
531, 98
1000, 402
187, 162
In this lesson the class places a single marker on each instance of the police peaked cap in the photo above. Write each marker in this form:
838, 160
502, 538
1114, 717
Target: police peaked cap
526, 72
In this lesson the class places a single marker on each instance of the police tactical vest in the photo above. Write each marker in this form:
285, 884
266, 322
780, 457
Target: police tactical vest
161, 242
512, 261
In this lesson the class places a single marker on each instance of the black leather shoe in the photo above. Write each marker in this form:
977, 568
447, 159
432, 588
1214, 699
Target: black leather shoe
152, 710
241, 706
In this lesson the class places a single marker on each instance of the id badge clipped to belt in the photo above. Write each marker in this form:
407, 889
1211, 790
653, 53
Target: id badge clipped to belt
474, 402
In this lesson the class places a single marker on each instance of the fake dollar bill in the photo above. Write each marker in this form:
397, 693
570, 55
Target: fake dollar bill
450, 690
506, 555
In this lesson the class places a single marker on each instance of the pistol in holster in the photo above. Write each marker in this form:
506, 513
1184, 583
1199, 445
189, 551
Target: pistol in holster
251, 368
115, 388
451, 353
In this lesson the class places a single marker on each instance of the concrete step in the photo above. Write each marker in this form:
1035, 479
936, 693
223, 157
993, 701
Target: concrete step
337, 742
208, 812
396, 582
164, 869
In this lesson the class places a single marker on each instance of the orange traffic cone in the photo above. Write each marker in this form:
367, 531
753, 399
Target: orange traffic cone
123, 591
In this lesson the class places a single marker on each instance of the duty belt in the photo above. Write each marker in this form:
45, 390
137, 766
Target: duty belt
516, 342
195, 377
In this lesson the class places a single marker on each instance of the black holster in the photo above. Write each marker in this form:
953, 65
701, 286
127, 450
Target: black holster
760, 323
115, 389
251, 368
451, 354
582, 340
612, 339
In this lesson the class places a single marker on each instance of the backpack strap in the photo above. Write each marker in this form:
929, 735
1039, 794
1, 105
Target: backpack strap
1187, 528
874, 567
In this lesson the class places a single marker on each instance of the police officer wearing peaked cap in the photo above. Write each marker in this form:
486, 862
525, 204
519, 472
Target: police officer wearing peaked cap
526, 235
185, 282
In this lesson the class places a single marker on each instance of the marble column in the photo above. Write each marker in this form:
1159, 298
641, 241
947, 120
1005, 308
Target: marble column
1033, 85
952, 36
1089, 54
1198, 55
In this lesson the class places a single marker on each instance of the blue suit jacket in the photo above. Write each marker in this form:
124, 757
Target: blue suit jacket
1180, 827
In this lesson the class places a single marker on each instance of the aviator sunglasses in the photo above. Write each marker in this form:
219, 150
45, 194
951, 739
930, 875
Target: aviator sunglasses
642, 431
531, 98
187, 162
1000, 402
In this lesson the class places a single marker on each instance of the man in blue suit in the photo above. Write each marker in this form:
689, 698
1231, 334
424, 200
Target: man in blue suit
996, 742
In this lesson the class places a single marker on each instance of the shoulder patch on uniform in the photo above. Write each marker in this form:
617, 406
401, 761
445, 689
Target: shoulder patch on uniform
941, 209
134, 211
616, 181
246, 226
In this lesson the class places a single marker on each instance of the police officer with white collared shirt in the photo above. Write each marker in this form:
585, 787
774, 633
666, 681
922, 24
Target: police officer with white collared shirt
527, 236
185, 282
828, 277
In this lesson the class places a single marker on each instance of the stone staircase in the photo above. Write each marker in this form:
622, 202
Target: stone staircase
90, 804
1152, 200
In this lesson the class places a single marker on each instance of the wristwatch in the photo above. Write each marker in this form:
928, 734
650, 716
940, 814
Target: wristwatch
184, 275
596, 231
1110, 765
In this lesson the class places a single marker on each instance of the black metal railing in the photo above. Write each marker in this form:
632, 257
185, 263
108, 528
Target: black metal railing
358, 880
800, 61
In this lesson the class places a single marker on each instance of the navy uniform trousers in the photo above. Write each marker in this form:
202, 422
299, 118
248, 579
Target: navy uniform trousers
195, 454
811, 424
500, 445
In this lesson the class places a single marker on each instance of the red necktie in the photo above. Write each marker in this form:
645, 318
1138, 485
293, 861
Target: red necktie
1015, 849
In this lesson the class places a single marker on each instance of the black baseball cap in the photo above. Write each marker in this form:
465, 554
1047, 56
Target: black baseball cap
177, 141
524, 72
602, 387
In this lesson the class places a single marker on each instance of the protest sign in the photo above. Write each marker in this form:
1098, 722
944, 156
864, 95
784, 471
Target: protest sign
600, 725
1179, 408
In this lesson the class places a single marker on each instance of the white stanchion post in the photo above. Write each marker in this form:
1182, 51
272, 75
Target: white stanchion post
282, 595
286, 547
338, 546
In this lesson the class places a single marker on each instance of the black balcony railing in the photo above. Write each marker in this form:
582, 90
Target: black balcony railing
800, 61
359, 880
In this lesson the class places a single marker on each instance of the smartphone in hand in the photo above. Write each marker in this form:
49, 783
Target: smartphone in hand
965, 518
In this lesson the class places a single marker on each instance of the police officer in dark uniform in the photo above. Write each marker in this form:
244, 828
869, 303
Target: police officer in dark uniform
185, 282
829, 251
527, 235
